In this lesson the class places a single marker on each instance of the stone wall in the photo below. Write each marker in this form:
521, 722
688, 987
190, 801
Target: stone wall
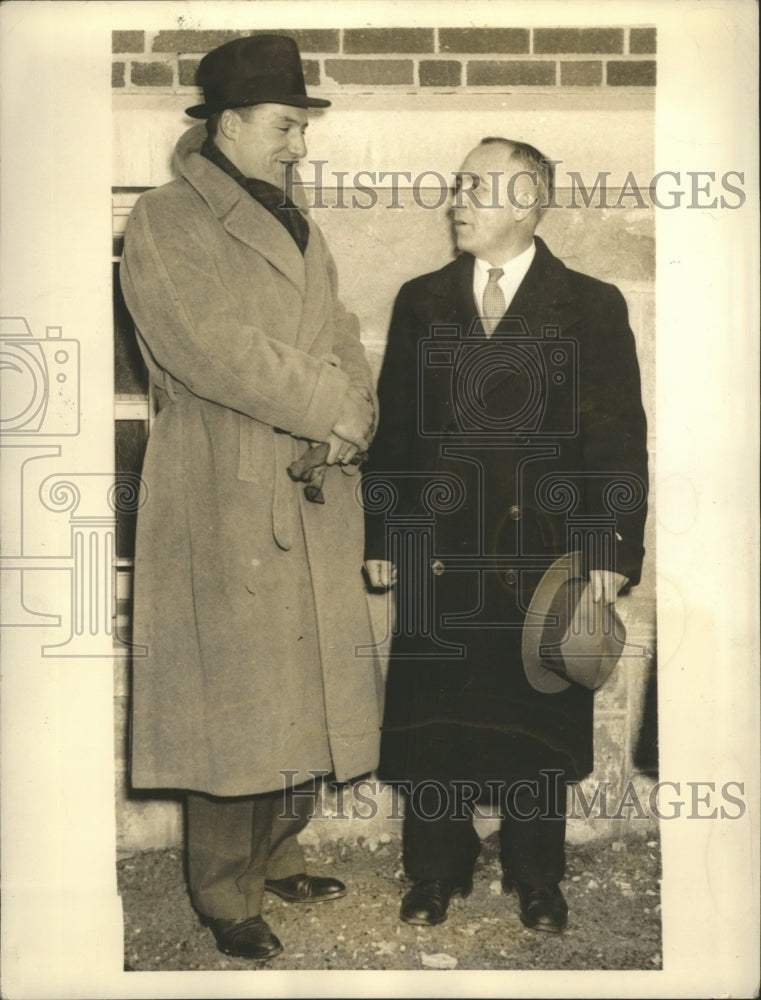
405, 102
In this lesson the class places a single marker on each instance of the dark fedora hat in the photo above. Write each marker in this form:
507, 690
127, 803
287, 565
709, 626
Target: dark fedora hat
567, 637
259, 69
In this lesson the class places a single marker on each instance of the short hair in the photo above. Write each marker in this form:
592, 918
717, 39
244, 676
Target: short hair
532, 160
212, 122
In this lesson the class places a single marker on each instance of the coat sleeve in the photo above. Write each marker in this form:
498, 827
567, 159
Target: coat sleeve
178, 301
391, 454
613, 425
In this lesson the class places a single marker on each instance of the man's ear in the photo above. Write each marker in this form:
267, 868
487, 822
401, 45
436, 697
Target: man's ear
229, 124
525, 203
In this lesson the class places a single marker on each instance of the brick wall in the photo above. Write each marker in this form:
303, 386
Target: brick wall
424, 96
446, 59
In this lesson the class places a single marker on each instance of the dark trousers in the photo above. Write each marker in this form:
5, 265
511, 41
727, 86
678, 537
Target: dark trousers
234, 844
441, 842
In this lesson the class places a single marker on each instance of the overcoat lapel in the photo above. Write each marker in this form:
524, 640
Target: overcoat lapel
316, 292
543, 300
252, 224
541, 294
454, 285
544, 297
240, 214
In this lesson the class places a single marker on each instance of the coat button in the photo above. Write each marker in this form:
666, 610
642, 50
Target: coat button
515, 513
437, 567
511, 577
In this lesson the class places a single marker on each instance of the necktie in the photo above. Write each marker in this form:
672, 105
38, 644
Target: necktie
494, 301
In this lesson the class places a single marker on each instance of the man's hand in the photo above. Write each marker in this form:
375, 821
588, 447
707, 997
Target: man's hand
340, 452
606, 585
356, 422
380, 573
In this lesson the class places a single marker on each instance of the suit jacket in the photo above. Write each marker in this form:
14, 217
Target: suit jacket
492, 458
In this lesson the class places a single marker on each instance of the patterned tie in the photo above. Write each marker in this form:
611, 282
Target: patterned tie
494, 301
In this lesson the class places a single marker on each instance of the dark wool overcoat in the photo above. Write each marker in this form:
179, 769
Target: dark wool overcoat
249, 600
493, 457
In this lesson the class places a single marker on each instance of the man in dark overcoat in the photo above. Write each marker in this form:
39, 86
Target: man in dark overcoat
511, 432
249, 599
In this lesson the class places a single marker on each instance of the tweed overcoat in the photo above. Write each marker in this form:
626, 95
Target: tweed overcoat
249, 600
489, 454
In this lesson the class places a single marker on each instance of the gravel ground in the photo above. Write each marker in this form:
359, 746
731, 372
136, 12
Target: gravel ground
612, 888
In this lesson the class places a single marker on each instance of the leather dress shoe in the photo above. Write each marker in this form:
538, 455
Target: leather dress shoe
543, 908
303, 888
427, 901
250, 937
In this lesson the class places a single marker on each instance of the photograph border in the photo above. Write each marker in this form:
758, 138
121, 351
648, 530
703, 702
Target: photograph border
62, 926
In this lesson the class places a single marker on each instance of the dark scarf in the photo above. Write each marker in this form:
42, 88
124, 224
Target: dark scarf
270, 197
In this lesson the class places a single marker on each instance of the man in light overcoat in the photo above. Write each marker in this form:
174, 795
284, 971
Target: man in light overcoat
249, 599
510, 418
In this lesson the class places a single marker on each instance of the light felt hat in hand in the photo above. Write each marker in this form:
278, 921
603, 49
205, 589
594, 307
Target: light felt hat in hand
568, 638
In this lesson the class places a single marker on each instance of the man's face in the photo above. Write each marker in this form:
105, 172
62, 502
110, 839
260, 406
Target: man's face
489, 221
272, 133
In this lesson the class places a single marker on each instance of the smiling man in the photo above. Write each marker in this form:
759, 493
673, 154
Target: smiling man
249, 599
511, 435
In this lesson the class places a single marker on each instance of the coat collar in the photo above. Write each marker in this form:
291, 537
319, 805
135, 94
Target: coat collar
544, 299
243, 217
545, 288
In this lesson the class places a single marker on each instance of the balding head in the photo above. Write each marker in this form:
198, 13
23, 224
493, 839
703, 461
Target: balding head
502, 192
541, 169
